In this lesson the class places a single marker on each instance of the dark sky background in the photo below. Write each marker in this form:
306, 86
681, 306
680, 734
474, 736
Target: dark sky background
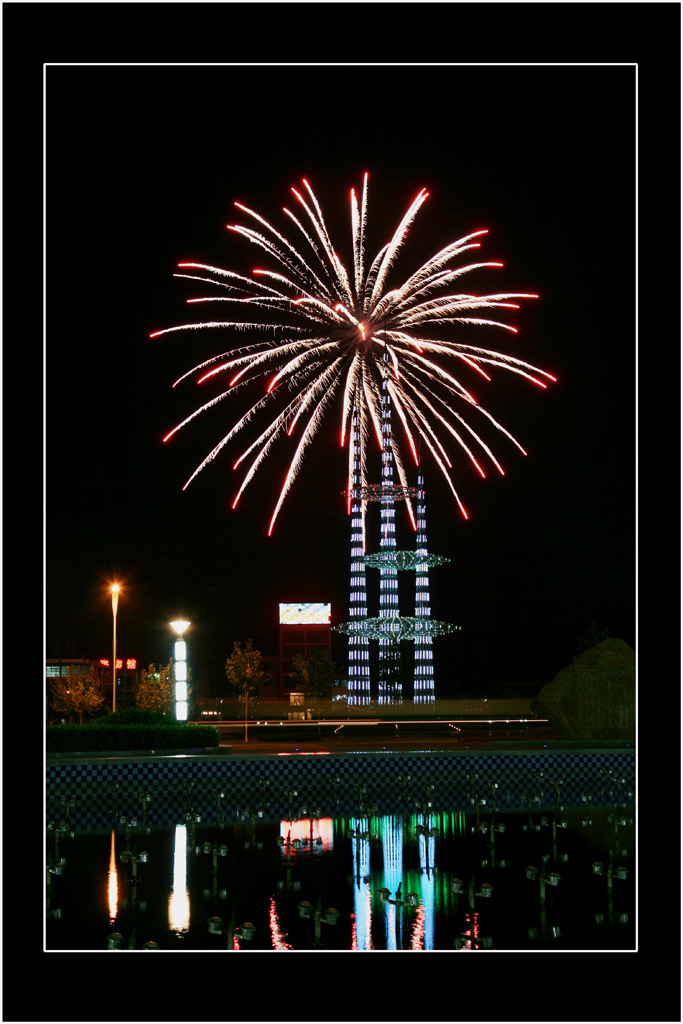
143, 167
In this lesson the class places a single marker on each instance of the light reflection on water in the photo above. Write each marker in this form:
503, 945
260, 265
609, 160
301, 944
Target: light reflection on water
179, 898
392, 878
113, 887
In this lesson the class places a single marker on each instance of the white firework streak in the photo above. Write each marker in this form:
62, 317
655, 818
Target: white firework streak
396, 242
307, 436
349, 395
269, 436
358, 221
451, 429
329, 330
429, 430
419, 388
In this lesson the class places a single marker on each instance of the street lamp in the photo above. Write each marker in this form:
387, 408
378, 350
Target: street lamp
330, 916
180, 669
114, 606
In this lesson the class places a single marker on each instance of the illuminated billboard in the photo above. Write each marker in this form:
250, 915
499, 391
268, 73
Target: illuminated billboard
305, 614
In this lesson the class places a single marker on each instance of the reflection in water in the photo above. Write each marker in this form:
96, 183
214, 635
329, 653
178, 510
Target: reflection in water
318, 833
417, 935
392, 854
112, 881
361, 938
396, 880
179, 899
276, 934
427, 847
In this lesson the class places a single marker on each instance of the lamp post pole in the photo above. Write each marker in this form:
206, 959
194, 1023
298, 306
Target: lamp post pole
114, 606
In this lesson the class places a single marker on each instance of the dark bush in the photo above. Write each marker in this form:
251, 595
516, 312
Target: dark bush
134, 716
61, 739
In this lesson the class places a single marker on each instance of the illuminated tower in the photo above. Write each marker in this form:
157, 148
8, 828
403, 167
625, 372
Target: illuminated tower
389, 686
358, 662
423, 672
390, 628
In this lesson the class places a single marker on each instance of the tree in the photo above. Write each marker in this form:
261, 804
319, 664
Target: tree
75, 694
316, 674
245, 673
593, 636
156, 688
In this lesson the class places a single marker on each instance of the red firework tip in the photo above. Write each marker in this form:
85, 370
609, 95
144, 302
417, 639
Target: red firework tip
235, 501
170, 434
271, 385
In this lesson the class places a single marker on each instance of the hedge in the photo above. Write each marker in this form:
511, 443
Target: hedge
153, 736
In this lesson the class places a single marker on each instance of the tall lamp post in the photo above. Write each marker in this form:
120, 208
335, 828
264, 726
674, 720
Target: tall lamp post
180, 669
114, 606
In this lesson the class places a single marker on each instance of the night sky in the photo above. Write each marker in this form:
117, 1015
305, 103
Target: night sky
144, 164
143, 167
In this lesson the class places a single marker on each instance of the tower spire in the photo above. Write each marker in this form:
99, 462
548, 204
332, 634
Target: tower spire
358, 654
389, 686
423, 672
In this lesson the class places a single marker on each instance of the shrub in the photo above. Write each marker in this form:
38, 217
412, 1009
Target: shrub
134, 716
101, 736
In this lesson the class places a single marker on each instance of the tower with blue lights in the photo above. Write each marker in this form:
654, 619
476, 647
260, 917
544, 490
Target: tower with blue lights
423, 670
389, 628
389, 687
358, 652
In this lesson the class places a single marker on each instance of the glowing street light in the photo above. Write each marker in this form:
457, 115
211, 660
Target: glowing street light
180, 668
114, 606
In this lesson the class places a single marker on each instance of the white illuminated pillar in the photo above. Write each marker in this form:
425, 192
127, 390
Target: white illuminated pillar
359, 661
423, 679
180, 670
389, 688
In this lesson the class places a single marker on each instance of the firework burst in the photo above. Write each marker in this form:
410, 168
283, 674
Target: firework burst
335, 333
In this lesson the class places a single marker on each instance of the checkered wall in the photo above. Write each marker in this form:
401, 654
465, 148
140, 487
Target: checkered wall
92, 794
